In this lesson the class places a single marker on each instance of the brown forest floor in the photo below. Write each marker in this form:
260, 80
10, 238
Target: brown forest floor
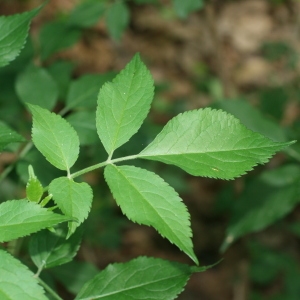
224, 40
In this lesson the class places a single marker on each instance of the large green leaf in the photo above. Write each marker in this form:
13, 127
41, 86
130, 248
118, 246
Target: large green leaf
16, 281
210, 143
265, 200
48, 249
73, 198
54, 137
147, 199
124, 104
7, 136
141, 278
117, 19
21, 217
184, 8
36, 86
13, 34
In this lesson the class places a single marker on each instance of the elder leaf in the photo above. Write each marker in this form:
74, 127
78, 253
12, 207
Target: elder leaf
147, 199
17, 281
123, 104
211, 143
54, 137
21, 217
73, 198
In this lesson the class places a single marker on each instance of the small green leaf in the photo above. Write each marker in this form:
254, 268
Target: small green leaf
86, 14
16, 281
141, 278
48, 249
7, 136
74, 199
117, 19
21, 217
83, 92
57, 35
36, 86
124, 104
146, 199
13, 34
211, 143
34, 189
54, 137
85, 125
184, 8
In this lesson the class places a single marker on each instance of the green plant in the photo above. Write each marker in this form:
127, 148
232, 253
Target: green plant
204, 142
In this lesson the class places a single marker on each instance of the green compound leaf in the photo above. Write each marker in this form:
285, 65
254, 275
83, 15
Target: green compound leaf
74, 199
13, 34
124, 104
49, 249
34, 188
7, 136
54, 137
21, 217
210, 143
117, 19
16, 281
184, 8
147, 199
36, 86
141, 278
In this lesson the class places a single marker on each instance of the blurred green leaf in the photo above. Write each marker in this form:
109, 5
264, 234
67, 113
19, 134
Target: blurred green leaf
13, 34
262, 203
36, 86
49, 249
83, 91
7, 136
61, 72
74, 275
117, 19
85, 125
184, 7
56, 36
86, 14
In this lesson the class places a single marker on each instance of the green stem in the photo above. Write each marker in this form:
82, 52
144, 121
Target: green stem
103, 164
48, 289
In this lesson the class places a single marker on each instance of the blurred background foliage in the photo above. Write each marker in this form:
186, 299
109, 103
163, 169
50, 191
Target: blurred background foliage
241, 56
